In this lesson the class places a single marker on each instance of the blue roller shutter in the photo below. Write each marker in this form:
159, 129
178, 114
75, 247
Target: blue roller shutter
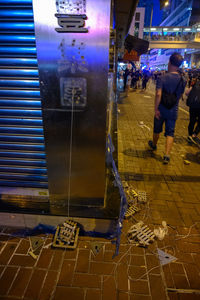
22, 151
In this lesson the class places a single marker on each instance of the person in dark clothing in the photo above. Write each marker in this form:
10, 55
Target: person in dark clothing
174, 84
193, 102
127, 72
145, 79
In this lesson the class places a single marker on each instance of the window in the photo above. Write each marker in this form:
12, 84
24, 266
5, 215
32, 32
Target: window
137, 25
137, 16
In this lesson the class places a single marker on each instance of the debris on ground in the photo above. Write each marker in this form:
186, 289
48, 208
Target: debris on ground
96, 247
161, 231
66, 235
36, 244
141, 233
165, 258
186, 162
131, 211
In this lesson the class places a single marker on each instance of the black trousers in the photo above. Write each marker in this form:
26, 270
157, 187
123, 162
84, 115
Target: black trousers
194, 118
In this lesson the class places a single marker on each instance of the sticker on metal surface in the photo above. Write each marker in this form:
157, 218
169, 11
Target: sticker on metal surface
165, 258
96, 247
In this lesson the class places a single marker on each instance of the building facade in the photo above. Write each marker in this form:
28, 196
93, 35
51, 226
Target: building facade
137, 24
177, 13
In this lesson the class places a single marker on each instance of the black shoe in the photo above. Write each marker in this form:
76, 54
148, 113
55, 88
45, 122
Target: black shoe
166, 159
152, 146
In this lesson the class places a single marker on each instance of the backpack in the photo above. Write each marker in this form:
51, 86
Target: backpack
193, 99
169, 100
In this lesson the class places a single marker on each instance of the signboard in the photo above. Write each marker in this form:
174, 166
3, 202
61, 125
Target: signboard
133, 56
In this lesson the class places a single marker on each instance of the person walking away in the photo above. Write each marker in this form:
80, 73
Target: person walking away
193, 101
128, 84
169, 89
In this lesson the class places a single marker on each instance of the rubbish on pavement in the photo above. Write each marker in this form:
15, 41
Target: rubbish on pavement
141, 233
131, 211
186, 162
66, 235
96, 247
142, 197
165, 258
161, 231
32, 255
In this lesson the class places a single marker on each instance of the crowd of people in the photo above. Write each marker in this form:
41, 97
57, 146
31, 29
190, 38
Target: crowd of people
190, 36
171, 85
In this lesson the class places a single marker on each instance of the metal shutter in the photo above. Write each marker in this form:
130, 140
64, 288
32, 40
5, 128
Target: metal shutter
22, 152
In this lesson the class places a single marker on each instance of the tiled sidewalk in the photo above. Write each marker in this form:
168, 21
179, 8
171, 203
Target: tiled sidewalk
135, 274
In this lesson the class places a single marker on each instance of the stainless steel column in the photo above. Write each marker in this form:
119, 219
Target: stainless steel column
72, 42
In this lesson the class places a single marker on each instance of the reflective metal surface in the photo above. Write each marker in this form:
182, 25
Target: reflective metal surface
73, 73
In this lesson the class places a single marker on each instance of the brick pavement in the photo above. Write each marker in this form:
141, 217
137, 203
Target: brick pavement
136, 273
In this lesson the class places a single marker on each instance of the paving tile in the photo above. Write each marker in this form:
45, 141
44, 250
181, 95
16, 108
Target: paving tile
157, 287
56, 260
137, 260
123, 296
109, 288
45, 258
152, 263
177, 268
22, 260
23, 247
66, 273
6, 253
86, 280
168, 276
193, 276
7, 279
70, 254
83, 261
101, 268
140, 297
139, 287
137, 272
173, 296
122, 279
35, 284
49, 285
20, 282
180, 281
63, 293
93, 294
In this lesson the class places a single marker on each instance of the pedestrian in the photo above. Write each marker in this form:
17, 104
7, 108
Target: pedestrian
193, 101
169, 88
